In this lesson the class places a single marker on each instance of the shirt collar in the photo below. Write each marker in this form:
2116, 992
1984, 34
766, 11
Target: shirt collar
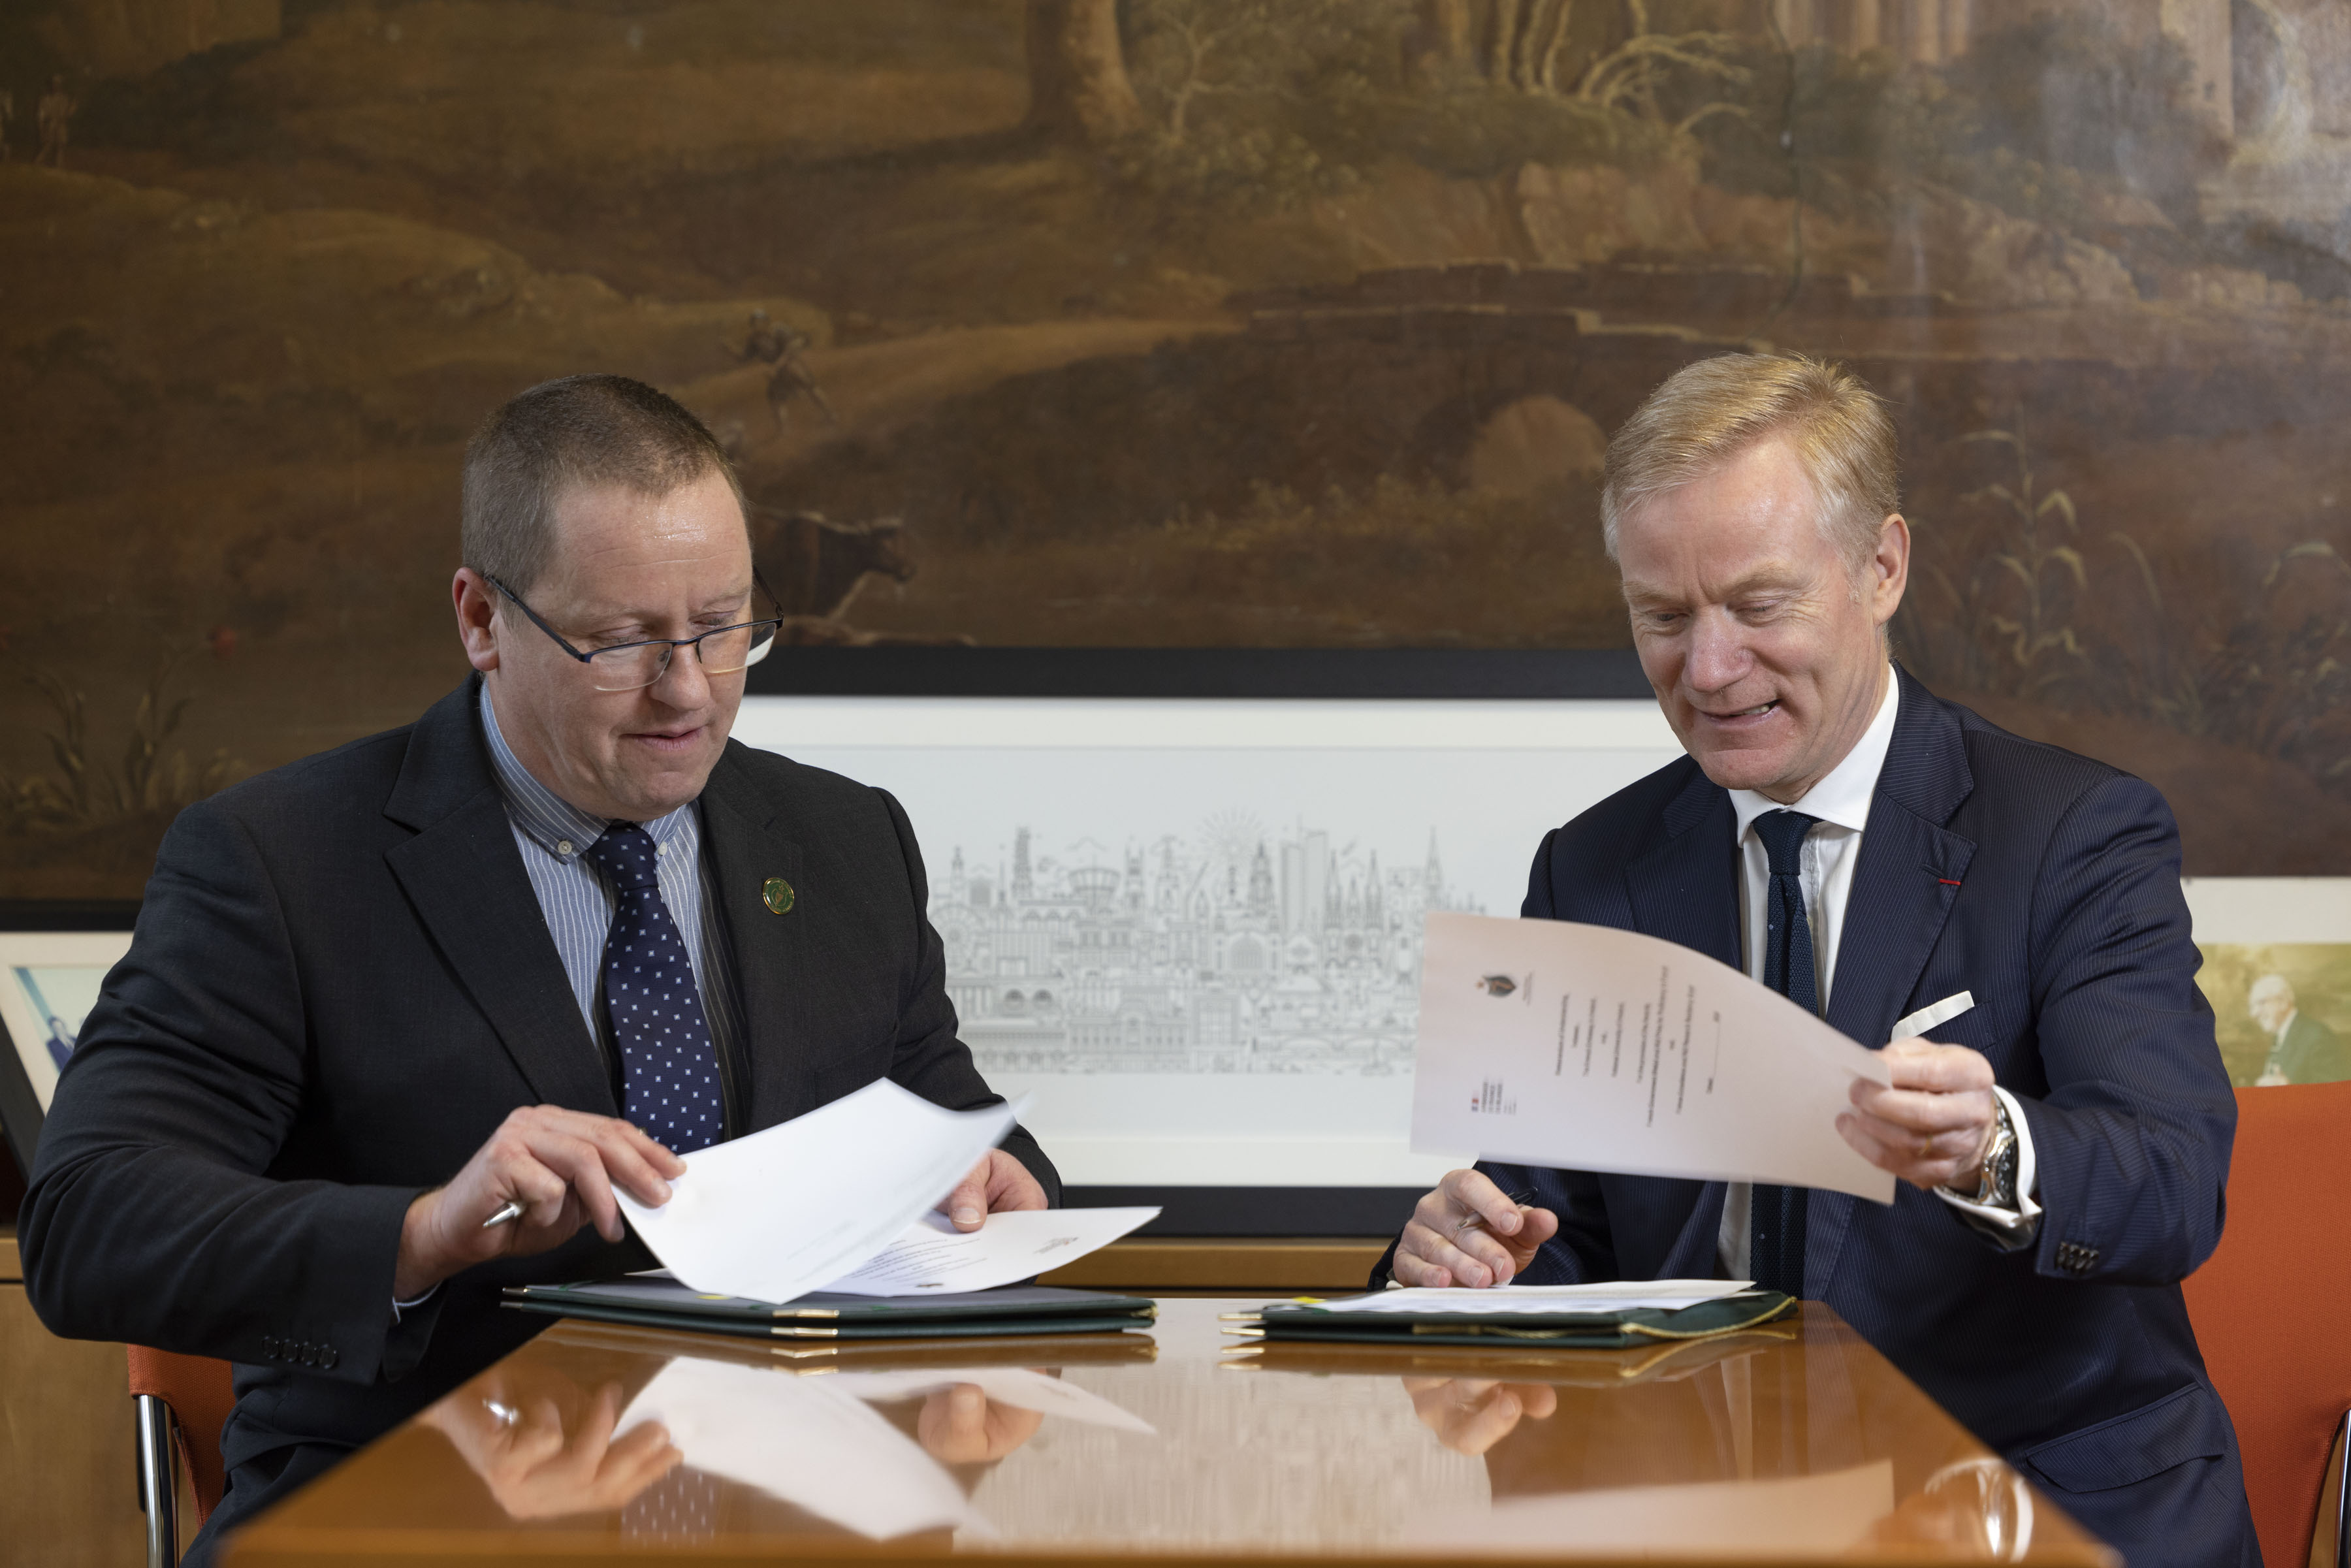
551, 821
1843, 794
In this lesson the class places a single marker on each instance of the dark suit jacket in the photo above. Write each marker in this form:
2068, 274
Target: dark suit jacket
341, 983
2048, 885
2310, 1052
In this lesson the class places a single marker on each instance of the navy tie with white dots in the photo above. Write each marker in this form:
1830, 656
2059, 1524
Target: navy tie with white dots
669, 1067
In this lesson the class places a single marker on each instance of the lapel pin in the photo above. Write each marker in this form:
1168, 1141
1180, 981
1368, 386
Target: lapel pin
776, 895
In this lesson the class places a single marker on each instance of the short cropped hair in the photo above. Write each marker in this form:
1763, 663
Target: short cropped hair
1708, 412
579, 431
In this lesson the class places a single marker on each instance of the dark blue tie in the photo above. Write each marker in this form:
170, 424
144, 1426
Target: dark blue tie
1776, 1234
669, 1067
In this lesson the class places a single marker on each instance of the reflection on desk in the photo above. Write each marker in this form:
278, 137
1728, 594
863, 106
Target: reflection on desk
1798, 1442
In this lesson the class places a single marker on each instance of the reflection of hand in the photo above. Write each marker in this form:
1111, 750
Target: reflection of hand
1470, 1415
997, 1183
1469, 1232
537, 1464
1932, 1126
961, 1426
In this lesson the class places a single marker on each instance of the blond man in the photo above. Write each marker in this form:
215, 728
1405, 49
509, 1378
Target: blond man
1895, 863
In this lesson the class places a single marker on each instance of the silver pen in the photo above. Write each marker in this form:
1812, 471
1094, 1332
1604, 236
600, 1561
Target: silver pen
513, 1210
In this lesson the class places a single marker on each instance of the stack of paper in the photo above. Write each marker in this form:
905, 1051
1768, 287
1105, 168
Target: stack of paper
839, 1199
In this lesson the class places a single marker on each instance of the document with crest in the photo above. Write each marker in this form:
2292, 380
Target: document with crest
1550, 1043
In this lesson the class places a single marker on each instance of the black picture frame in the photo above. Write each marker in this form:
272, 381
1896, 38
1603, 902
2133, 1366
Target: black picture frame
1437, 674
20, 1107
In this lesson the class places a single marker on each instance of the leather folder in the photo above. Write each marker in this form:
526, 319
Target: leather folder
1014, 1310
1556, 1331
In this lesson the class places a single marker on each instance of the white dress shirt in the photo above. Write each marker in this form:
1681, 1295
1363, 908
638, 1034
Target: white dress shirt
1841, 800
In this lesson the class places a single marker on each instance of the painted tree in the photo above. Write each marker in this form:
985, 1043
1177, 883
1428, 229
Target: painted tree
1078, 87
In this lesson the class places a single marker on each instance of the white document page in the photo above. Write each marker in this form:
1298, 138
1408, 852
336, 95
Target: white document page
1614, 1296
1022, 1387
774, 1215
934, 1258
804, 1441
1549, 1043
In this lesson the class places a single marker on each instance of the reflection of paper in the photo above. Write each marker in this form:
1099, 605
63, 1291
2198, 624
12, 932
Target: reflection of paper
1020, 1387
774, 1215
1551, 1043
1612, 1297
933, 1257
1800, 1517
803, 1440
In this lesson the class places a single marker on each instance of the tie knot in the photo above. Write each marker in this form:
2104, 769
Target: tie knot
626, 852
1782, 837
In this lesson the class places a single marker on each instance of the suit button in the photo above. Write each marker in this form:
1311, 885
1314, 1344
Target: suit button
327, 1358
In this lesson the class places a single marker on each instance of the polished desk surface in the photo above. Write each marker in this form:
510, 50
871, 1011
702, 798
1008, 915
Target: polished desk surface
1796, 1442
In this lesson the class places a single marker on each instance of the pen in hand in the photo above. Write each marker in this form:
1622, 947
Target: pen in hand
512, 1211
1477, 1221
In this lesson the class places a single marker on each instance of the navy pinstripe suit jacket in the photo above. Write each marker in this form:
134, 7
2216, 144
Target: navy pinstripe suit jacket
2048, 885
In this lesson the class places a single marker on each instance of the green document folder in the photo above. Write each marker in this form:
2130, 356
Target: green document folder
668, 1304
1562, 1331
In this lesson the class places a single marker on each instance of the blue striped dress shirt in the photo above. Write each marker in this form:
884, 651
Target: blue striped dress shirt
554, 835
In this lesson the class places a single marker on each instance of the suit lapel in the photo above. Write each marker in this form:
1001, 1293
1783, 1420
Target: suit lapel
1904, 885
465, 879
1686, 891
748, 844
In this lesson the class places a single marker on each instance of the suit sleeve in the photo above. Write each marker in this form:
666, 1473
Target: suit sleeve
2133, 1135
153, 1216
930, 1059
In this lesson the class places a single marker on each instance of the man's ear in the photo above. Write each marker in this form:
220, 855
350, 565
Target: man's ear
1888, 567
476, 603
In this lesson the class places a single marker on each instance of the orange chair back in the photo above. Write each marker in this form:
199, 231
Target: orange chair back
2268, 1307
197, 1389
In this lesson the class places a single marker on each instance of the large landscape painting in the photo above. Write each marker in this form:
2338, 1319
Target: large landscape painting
1171, 323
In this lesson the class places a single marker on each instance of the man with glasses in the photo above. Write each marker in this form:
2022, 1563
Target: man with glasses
521, 953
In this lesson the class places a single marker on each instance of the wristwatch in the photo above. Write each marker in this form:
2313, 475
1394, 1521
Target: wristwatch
1996, 1187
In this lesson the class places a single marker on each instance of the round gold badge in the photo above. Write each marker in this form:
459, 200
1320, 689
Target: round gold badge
777, 896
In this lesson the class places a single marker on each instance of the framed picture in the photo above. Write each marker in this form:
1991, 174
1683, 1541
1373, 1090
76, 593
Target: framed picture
2277, 970
1190, 927
48, 982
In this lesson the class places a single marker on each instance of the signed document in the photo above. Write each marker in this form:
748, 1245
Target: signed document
1549, 1043
933, 1258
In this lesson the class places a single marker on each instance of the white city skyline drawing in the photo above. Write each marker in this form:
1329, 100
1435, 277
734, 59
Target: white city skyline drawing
1227, 949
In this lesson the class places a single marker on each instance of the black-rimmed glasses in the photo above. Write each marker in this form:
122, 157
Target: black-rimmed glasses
632, 666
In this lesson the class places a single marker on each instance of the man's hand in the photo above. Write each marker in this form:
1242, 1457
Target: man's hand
1470, 1415
546, 1449
997, 1183
560, 1166
1468, 1232
1932, 1127
962, 1426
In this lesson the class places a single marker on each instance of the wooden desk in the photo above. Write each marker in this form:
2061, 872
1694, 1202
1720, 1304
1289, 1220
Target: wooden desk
1795, 1444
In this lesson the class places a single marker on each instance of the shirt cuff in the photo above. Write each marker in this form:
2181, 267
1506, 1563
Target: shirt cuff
2011, 1229
399, 1307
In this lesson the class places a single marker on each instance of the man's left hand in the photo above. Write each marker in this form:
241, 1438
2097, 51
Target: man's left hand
998, 1183
1932, 1126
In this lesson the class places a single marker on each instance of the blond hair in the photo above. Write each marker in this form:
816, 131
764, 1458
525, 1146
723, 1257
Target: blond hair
1708, 412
